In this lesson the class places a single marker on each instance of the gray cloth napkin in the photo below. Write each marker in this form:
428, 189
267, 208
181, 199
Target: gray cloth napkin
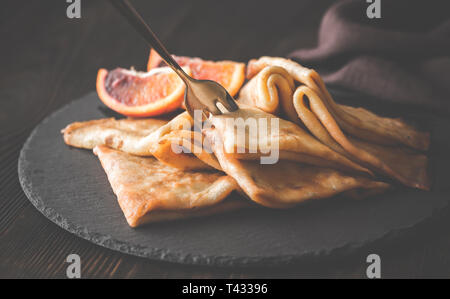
403, 57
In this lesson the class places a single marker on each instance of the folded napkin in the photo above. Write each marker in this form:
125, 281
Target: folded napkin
403, 57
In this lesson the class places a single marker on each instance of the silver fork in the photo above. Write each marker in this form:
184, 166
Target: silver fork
199, 94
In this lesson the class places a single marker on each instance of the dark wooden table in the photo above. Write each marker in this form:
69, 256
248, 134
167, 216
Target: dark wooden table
48, 60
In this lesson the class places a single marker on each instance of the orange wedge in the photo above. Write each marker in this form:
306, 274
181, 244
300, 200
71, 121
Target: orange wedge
229, 74
140, 94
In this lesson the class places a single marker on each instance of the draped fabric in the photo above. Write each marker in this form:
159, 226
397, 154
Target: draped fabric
403, 57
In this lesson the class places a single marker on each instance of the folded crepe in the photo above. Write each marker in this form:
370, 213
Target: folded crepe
149, 191
174, 144
162, 170
387, 146
288, 139
141, 137
124, 134
285, 183
271, 91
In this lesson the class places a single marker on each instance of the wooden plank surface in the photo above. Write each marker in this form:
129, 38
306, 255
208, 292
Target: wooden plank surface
47, 60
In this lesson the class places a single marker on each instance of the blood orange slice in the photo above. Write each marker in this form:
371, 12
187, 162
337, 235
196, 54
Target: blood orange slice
140, 94
229, 74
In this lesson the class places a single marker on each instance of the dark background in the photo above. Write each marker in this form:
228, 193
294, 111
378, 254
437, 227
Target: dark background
48, 60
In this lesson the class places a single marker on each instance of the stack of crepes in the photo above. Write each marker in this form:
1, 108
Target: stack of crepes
325, 149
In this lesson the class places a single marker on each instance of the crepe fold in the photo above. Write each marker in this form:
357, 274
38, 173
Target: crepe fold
271, 91
177, 184
389, 147
284, 184
127, 135
162, 170
174, 144
149, 191
290, 141
141, 137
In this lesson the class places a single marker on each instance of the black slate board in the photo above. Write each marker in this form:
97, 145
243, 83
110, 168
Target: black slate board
70, 188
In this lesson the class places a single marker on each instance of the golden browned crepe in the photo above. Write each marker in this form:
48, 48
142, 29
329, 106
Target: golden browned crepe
141, 137
162, 170
285, 183
293, 142
124, 134
271, 91
390, 147
194, 157
356, 121
173, 144
148, 190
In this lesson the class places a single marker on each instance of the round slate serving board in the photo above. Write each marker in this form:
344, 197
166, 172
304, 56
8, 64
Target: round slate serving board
69, 187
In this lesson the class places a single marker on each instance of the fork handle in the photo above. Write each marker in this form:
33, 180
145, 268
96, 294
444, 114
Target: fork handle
129, 12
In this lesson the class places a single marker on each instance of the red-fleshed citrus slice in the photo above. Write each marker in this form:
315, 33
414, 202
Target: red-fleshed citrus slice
229, 74
140, 94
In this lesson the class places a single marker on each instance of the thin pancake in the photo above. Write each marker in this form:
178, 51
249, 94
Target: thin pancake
285, 184
173, 144
355, 121
178, 147
123, 134
271, 91
141, 137
293, 142
405, 165
148, 190
377, 143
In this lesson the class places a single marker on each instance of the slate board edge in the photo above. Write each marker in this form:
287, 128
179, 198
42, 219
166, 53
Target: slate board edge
175, 257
